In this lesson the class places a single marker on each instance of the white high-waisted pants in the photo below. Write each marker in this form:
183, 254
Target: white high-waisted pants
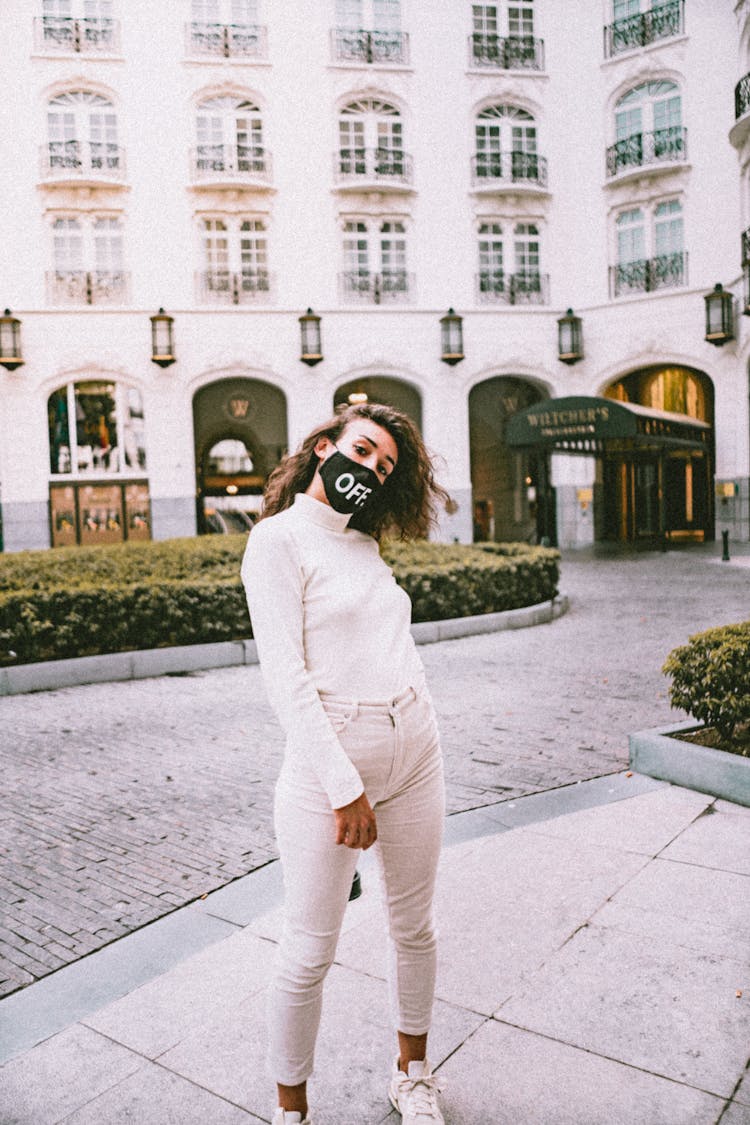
395, 747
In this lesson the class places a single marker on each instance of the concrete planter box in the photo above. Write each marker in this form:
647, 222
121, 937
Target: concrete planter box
696, 767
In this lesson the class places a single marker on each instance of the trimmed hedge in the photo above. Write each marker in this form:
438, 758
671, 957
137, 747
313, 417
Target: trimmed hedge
711, 680
77, 601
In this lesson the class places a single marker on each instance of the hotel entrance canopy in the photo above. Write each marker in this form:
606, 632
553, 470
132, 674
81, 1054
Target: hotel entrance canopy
579, 424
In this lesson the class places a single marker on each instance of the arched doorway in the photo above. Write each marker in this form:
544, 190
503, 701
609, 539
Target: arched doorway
382, 388
629, 483
240, 430
511, 495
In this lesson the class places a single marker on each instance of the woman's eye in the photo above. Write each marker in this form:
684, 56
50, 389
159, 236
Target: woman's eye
360, 449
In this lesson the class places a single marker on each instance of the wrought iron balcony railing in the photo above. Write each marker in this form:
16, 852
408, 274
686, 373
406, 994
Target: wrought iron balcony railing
525, 288
372, 165
511, 52
87, 287
67, 35
355, 45
742, 97
227, 40
224, 287
80, 160
662, 21
642, 149
391, 285
666, 271
489, 168
230, 163
746, 247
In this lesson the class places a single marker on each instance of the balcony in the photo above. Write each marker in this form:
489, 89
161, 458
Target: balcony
88, 164
525, 288
498, 171
392, 286
81, 287
511, 52
380, 169
226, 41
230, 166
741, 129
647, 152
64, 35
384, 47
667, 271
223, 287
663, 21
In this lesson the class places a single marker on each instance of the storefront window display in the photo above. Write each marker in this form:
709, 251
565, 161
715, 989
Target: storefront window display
96, 429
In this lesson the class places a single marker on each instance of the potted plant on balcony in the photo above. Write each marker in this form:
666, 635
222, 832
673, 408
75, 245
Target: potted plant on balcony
711, 751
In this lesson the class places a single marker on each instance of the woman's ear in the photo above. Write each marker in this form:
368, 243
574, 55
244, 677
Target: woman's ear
322, 447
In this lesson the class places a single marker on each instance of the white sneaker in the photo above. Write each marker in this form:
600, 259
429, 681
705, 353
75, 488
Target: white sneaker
289, 1117
414, 1095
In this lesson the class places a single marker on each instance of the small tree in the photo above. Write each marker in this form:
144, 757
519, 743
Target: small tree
711, 679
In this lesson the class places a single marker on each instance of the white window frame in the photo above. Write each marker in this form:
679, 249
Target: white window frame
375, 257
233, 256
82, 132
371, 138
229, 135
87, 258
662, 215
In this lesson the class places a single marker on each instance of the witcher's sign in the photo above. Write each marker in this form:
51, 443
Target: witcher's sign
575, 421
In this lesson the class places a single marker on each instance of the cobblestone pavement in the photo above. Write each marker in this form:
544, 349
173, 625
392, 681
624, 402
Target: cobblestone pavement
123, 801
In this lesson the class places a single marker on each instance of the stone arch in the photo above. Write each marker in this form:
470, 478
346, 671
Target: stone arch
394, 392
508, 486
240, 410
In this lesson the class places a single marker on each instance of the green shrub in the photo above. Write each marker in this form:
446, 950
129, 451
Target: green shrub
711, 679
84, 601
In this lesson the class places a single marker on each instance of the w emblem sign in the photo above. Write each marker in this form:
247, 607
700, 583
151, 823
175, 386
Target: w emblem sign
238, 407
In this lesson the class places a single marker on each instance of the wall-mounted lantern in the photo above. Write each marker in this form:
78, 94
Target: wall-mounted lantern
10, 341
452, 337
719, 316
162, 339
309, 328
569, 338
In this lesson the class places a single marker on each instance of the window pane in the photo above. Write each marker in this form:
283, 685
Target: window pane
205, 11
349, 13
624, 8
59, 437
67, 244
133, 430
386, 15
521, 19
484, 19
668, 228
630, 237
96, 427
356, 248
108, 245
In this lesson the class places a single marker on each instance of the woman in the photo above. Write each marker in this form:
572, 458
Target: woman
363, 760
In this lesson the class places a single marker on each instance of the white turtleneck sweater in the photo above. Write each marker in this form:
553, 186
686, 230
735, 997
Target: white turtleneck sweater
327, 616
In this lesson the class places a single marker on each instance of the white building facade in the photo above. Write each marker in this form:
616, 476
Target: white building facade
380, 162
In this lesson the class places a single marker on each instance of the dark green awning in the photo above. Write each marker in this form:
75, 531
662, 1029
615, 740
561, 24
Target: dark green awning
592, 425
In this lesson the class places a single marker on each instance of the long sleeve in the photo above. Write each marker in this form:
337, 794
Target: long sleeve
274, 586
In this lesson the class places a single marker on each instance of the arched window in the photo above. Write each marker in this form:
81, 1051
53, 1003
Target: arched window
82, 132
371, 139
648, 126
506, 144
96, 428
230, 136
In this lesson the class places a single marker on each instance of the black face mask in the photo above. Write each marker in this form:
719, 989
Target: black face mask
348, 485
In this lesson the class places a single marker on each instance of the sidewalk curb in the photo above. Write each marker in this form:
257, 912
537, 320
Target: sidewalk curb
108, 667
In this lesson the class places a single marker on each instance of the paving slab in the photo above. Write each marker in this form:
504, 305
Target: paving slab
521, 895
742, 1093
503, 1076
717, 840
160, 1014
153, 1096
646, 824
736, 1114
660, 903
651, 1004
58, 1076
353, 1056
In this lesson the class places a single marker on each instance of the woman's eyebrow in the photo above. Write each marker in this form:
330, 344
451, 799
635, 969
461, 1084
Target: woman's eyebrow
374, 444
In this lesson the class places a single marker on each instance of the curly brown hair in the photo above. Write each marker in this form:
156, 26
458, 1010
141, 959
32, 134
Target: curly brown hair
405, 507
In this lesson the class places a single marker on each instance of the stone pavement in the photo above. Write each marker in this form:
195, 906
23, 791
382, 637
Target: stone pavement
593, 971
124, 801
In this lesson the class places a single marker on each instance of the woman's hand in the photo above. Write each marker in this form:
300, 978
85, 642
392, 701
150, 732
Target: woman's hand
355, 824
